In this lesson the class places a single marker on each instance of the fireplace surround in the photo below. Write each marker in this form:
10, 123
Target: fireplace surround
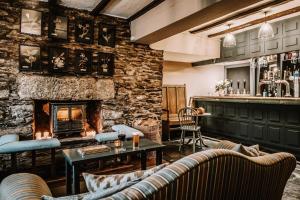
63, 119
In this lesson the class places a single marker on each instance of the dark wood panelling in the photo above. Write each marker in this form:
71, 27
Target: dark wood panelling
274, 116
243, 112
229, 110
258, 131
243, 131
273, 126
274, 134
292, 137
293, 117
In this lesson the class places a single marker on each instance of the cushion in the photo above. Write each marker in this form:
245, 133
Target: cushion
4, 139
252, 151
29, 145
110, 191
23, 186
72, 197
106, 137
127, 130
95, 183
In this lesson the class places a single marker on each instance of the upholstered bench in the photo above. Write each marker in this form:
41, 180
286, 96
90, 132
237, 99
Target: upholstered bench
111, 136
14, 147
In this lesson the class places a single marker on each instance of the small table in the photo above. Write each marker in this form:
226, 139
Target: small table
199, 120
73, 160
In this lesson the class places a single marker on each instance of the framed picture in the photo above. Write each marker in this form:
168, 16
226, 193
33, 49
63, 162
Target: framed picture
107, 35
84, 30
106, 64
58, 27
83, 61
58, 59
30, 58
31, 22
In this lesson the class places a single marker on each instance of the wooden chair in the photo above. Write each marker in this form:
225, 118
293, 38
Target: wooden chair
174, 98
188, 118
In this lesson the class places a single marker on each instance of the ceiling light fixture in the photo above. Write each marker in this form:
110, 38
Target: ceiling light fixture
229, 40
266, 30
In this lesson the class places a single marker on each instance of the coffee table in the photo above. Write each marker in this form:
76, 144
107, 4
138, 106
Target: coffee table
74, 161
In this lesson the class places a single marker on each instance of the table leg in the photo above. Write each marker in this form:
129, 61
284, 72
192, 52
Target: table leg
68, 178
158, 156
143, 160
75, 180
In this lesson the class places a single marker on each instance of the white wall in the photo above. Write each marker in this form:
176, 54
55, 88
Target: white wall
200, 81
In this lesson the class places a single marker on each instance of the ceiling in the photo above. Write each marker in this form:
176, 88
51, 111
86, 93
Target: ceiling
118, 8
252, 17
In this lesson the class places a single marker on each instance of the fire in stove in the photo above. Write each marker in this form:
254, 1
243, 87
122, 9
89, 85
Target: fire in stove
67, 119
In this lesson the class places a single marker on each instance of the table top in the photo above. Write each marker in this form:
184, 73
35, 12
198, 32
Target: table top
72, 156
203, 115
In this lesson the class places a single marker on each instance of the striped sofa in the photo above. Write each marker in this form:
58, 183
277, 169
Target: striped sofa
214, 174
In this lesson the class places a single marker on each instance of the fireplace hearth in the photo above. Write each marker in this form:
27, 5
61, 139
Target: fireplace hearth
64, 119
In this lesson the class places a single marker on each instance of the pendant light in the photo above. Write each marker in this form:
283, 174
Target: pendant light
266, 30
229, 40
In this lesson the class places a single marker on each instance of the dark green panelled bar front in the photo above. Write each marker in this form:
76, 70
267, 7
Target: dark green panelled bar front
274, 123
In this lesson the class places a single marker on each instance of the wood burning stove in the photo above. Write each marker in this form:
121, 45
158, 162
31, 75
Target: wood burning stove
67, 118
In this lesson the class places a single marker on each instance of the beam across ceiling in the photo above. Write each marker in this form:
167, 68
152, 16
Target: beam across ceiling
102, 4
144, 10
162, 26
241, 15
258, 21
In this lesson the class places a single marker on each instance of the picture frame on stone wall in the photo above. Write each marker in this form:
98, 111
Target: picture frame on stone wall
107, 35
58, 59
29, 57
83, 61
105, 64
58, 27
84, 30
31, 22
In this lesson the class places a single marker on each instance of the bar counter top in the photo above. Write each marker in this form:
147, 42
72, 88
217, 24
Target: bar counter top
251, 99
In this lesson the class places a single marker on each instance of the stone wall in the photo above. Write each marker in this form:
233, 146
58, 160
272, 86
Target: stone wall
134, 89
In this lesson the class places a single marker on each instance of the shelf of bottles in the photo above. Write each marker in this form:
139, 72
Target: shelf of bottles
278, 75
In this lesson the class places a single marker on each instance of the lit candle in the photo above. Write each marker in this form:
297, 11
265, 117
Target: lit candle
135, 140
38, 135
46, 134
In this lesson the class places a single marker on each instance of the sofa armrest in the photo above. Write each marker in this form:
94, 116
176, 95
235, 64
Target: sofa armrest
23, 186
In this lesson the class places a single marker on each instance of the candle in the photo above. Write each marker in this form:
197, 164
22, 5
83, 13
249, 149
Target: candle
38, 135
238, 84
244, 84
46, 134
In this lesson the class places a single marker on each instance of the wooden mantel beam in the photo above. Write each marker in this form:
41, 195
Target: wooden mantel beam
241, 15
100, 7
258, 21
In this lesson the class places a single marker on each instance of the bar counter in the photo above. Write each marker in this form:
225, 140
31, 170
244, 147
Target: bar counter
250, 99
274, 123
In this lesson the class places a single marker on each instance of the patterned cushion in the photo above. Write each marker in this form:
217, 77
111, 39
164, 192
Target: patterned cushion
72, 197
252, 151
4, 139
110, 191
95, 183
224, 144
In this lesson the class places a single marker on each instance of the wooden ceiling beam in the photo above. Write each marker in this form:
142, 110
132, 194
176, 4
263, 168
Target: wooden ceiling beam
241, 15
144, 10
258, 21
102, 4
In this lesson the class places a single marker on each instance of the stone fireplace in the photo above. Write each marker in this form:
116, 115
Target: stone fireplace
63, 119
